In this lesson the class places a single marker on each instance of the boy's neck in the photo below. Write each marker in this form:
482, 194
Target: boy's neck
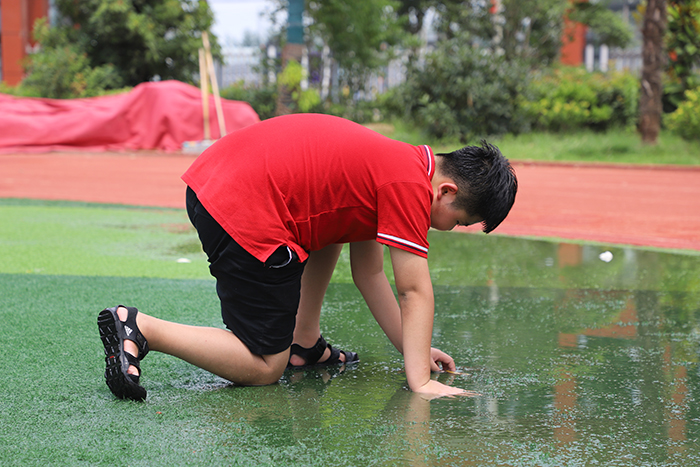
438, 176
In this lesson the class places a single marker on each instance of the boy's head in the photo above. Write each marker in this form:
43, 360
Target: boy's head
485, 180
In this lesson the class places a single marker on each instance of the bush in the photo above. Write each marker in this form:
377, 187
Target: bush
303, 100
262, 98
64, 72
463, 92
361, 110
685, 121
571, 98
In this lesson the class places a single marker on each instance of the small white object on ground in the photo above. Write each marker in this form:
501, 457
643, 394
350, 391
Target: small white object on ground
183, 260
606, 256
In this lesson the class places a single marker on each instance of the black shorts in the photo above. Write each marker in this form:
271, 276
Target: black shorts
259, 301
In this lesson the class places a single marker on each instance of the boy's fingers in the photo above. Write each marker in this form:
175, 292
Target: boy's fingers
455, 372
438, 356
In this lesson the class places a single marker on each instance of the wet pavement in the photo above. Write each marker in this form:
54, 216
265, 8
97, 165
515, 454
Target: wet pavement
582, 355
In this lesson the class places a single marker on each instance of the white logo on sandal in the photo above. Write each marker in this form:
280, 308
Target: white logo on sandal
128, 330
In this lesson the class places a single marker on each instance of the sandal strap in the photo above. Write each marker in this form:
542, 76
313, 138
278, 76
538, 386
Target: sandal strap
334, 359
131, 360
311, 355
130, 331
334, 356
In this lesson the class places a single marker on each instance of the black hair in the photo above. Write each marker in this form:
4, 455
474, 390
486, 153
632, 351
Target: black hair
485, 180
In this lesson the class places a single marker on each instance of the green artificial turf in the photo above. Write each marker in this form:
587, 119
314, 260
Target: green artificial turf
61, 264
56, 409
501, 303
98, 240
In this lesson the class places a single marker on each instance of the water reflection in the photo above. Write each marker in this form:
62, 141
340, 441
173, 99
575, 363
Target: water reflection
578, 361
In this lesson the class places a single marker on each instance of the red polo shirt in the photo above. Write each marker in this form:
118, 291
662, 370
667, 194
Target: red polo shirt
308, 181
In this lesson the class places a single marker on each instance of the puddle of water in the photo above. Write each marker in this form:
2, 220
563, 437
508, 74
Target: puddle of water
579, 361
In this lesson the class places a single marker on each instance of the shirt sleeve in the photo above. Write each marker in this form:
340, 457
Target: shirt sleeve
403, 216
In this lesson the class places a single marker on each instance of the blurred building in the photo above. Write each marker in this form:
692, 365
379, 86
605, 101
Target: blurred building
16, 22
581, 47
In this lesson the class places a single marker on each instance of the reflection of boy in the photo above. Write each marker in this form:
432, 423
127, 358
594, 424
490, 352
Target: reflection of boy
273, 204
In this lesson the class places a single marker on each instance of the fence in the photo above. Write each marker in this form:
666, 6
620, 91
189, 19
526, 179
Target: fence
604, 58
241, 63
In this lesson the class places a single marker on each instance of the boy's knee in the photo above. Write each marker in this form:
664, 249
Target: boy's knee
271, 371
268, 377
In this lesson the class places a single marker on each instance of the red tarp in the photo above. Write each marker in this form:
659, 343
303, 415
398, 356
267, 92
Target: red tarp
161, 115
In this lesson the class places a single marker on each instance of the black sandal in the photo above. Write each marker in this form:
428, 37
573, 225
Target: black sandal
312, 355
113, 333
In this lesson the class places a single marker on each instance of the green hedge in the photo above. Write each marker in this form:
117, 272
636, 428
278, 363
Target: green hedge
262, 98
463, 93
571, 98
685, 120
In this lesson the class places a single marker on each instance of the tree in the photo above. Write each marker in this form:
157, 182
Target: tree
527, 30
412, 16
138, 40
608, 27
532, 30
683, 44
414, 11
62, 70
654, 61
464, 92
360, 34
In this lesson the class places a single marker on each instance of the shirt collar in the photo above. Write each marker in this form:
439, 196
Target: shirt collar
430, 160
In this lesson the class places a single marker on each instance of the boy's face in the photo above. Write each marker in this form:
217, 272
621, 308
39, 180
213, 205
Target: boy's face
444, 216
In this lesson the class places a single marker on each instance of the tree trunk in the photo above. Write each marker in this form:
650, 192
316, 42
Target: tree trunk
293, 50
284, 95
654, 59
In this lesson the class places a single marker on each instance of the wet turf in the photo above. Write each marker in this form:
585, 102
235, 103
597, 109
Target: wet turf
579, 361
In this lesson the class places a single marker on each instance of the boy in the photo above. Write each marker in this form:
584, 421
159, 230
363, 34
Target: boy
272, 204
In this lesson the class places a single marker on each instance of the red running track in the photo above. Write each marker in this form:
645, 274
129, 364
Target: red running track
656, 206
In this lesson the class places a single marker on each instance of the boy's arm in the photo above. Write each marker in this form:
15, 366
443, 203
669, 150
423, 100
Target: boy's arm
417, 305
415, 293
367, 265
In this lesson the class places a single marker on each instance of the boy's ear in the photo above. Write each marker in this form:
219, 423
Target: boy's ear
447, 188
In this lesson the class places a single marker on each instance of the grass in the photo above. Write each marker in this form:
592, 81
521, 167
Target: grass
623, 146
62, 262
94, 240
619, 146
65, 238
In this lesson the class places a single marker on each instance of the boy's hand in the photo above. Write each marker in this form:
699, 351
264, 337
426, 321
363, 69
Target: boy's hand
435, 389
438, 356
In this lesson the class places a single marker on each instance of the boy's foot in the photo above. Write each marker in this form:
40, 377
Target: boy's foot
321, 354
124, 347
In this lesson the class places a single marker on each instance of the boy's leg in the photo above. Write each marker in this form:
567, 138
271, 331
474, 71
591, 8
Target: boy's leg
314, 283
258, 299
216, 350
